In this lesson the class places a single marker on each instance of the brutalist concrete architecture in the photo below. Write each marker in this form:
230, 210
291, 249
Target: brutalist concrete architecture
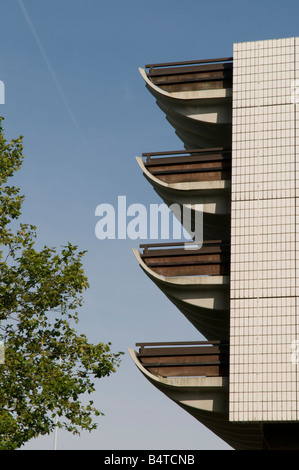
238, 121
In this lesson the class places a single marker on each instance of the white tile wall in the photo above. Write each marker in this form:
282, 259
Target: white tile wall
264, 240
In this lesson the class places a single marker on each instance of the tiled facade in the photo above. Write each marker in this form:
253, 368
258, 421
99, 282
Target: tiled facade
264, 312
238, 119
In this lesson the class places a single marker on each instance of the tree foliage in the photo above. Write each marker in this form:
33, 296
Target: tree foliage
48, 366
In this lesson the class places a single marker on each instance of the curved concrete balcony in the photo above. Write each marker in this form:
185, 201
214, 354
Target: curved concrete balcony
185, 359
196, 98
196, 281
201, 176
199, 388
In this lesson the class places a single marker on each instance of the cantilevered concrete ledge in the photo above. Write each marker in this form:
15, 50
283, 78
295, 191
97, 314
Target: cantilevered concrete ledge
213, 196
201, 118
206, 399
204, 300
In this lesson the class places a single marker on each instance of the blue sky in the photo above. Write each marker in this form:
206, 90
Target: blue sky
73, 89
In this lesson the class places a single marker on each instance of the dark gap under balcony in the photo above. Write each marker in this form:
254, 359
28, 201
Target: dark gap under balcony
185, 359
190, 166
192, 75
177, 259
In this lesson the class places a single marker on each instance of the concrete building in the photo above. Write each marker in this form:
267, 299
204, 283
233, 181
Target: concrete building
238, 120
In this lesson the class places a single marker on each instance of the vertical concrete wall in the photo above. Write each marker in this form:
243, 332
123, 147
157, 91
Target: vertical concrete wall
264, 239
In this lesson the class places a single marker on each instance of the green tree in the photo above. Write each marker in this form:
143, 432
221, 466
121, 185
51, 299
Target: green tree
48, 366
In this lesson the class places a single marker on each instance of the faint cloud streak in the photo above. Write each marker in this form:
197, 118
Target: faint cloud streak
50, 68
